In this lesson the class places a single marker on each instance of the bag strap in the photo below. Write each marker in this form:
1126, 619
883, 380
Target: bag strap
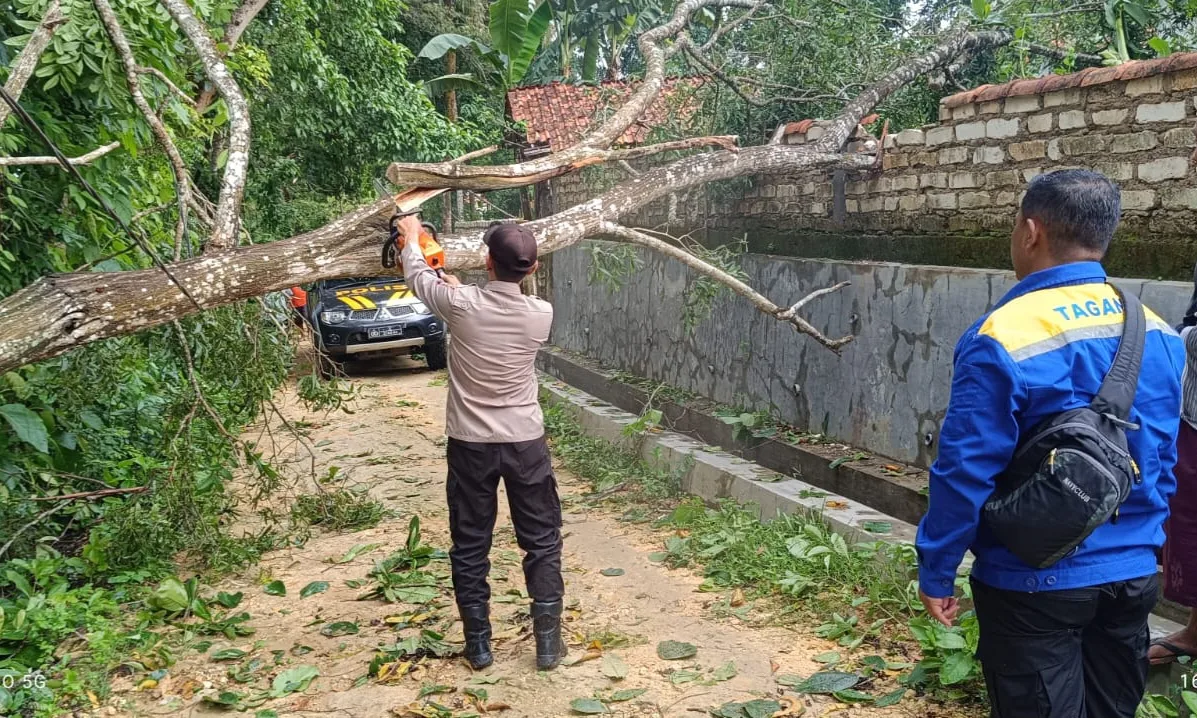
1117, 392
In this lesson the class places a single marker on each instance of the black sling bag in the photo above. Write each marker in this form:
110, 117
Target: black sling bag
1074, 470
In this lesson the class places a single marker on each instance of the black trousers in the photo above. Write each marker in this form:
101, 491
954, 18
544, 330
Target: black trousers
527, 472
1076, 653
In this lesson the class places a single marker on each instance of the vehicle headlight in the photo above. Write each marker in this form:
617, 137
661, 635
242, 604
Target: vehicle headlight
335, 316
420, 308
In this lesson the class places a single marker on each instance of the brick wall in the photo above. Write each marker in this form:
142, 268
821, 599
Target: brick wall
1134, 123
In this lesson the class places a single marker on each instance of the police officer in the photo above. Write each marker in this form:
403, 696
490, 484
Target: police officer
496, 429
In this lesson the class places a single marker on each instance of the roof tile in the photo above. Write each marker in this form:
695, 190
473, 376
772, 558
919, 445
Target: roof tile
560, 114
1085, 78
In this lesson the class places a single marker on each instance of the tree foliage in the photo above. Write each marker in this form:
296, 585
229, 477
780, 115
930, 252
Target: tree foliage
331, 104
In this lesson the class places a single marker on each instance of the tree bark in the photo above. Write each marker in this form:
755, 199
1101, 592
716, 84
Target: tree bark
26, 61
238, 24
60, 312
227, 222
80, 160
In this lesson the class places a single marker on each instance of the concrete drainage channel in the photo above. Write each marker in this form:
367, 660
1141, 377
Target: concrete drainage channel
713, 474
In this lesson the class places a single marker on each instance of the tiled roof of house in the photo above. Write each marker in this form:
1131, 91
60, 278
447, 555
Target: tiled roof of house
559, 114
1085, 78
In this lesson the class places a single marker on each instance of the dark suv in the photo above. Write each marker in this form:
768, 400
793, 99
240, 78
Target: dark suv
365, 318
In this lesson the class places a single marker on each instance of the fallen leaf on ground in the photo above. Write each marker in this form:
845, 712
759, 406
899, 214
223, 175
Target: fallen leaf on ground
836, 504
675, 650
575, 659
587, 706
614, 667
627, 695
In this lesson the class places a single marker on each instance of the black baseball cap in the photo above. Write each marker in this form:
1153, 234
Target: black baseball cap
512, 247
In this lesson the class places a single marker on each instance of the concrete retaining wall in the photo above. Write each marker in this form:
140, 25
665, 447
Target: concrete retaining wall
886, 393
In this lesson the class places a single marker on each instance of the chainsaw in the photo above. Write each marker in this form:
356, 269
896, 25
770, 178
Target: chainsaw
433, 253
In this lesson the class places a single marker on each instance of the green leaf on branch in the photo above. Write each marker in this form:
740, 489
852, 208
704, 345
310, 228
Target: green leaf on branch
27, 425
436, 48
957, 667
537, 25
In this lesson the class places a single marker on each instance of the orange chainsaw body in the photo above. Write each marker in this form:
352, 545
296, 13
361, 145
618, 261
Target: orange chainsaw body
433, 253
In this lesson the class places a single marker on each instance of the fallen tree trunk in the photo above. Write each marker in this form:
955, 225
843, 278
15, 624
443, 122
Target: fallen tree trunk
60, 312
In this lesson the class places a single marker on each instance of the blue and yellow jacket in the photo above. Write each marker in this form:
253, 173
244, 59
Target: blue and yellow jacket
1045, 349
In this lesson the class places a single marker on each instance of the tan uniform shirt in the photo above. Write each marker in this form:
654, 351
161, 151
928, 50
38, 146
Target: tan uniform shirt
495, 333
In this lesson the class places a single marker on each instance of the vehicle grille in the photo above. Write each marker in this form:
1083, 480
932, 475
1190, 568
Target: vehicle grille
363, 314
399, 311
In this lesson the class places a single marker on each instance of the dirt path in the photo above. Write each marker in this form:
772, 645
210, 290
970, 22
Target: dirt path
392, 447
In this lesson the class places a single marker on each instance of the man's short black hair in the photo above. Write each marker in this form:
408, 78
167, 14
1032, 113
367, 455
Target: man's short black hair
1079, 209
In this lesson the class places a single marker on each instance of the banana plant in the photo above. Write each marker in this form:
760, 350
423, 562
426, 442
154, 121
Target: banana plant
1119, 16
516, 29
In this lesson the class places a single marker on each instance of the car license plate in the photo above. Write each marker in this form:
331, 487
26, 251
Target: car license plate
384, 332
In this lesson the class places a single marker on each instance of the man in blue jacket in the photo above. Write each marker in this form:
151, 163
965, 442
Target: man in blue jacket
1070, 640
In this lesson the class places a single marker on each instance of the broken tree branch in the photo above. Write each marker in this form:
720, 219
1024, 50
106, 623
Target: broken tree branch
26, 61
227, 221
36, 520
142, 70
99, 494
586, 151
182, 177
467, 157
238, 23
729, 26
454, 175
757, 299
686, 44
1062, 54
80, 160
202, 398
845, 124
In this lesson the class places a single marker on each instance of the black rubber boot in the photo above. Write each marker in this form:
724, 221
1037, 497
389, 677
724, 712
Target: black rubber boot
546, 625
476, 620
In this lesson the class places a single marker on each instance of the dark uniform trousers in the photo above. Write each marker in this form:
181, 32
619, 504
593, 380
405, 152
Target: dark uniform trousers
527, 472
1076, 653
